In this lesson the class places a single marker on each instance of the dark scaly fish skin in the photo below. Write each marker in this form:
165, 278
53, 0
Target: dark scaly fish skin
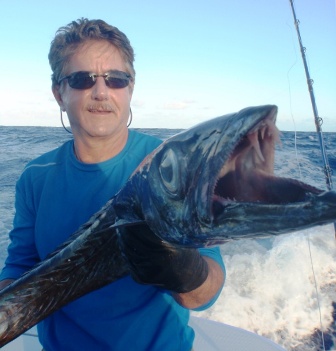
205, 186
216, 182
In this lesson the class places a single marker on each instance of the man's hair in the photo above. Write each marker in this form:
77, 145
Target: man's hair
75, 34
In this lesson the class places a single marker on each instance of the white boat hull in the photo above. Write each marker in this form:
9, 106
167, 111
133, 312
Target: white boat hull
216, 336
210, 336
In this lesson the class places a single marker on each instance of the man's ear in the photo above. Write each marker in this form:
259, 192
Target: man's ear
58, 96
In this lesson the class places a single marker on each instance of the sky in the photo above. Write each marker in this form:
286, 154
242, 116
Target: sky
195, 60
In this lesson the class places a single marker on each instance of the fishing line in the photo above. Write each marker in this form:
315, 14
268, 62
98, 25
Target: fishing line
291, 108
301, 178
307, 236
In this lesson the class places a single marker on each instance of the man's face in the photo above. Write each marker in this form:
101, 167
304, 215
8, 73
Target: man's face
99, 111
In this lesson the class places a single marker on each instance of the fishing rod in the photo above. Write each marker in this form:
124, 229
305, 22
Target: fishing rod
318, 120
318, 125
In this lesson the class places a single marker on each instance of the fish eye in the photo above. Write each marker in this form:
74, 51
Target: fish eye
169, 171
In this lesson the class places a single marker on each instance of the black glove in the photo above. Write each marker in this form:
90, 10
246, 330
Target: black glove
153, 261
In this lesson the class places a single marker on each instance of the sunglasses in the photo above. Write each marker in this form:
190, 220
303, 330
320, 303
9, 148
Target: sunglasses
86, 80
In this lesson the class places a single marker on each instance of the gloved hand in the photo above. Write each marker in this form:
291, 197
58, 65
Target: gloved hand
153, 261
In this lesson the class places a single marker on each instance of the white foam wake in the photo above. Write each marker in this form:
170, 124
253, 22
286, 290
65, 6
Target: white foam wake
270, 286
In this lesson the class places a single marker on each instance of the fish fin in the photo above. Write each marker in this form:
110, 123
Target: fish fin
126, 223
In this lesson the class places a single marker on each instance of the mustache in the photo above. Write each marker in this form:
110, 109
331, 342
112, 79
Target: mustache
100, 107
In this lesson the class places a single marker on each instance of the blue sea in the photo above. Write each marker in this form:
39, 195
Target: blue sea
282, 288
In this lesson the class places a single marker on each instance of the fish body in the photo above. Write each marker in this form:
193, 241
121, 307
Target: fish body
202, 187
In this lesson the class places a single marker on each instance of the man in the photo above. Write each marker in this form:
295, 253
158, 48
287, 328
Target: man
93, 81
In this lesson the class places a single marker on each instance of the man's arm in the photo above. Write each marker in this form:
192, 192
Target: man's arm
204, 293
193, 277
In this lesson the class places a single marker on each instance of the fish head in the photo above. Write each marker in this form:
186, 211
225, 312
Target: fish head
215, 182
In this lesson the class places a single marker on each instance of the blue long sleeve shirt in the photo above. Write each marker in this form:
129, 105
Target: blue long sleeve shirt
55, 195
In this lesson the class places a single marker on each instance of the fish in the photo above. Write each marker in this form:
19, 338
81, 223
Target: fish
203, 187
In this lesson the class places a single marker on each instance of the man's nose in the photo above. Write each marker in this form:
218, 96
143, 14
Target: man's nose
100, 90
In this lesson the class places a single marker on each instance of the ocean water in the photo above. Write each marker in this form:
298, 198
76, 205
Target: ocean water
282, 288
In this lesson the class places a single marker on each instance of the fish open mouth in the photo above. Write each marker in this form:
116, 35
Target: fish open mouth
248, 175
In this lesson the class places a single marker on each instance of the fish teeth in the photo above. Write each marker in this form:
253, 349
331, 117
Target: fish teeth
253, 138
